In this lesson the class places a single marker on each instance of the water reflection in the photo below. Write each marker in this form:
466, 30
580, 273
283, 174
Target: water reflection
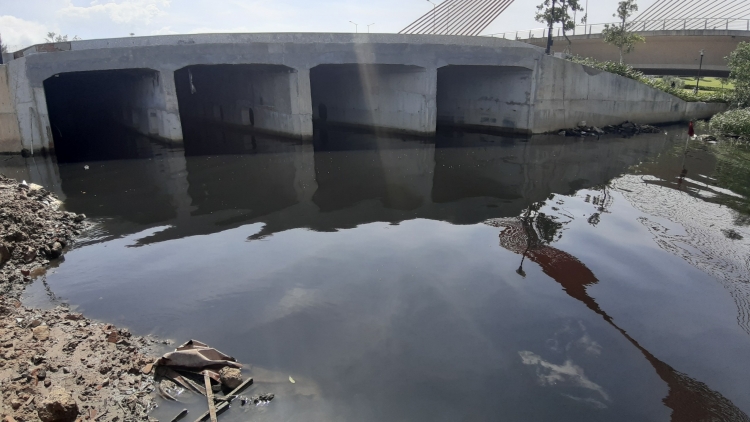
375, 281
531, 236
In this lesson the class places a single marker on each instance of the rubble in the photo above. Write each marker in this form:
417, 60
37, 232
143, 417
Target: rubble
626, 129
56, 365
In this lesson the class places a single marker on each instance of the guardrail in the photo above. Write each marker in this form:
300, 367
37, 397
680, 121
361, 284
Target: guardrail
636, 26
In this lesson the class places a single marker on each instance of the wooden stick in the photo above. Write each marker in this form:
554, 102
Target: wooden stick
210, 395
225, 404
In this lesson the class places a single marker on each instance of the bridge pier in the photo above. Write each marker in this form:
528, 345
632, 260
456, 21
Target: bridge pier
392, 97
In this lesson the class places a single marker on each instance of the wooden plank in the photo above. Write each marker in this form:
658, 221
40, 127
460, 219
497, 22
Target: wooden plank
210, 395
225, 404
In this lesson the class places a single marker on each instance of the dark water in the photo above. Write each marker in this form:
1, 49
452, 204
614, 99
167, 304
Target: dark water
463, 278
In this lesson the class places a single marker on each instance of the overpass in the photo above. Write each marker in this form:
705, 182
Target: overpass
281, 83
672, 47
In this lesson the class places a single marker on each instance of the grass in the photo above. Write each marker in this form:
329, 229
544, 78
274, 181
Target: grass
708, 82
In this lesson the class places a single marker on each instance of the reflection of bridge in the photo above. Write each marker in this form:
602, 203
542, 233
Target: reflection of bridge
280, 83
672, 46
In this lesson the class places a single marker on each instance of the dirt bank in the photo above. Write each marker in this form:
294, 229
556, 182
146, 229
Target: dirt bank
57, 365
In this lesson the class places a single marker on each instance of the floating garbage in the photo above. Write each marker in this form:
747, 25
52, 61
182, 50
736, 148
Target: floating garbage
197, 367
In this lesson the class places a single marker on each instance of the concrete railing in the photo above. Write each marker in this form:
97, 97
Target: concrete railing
726, 24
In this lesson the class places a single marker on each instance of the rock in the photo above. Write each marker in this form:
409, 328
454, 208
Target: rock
4, 254
47, 383
30, 255
80, 217
74, 317
599, 131
41, 374
41, 333
58, 406
582, 123
627, 125
56, 250
562, 133
230, 377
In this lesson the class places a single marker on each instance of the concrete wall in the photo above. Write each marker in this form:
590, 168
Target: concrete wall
10, 134
664, 52
268, 98
568, 93
396, 97
487, 97
385, 80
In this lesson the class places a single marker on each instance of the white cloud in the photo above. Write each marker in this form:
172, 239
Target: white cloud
18, 33
127, 11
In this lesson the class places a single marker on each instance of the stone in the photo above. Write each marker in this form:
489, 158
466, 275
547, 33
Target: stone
30, 255
56, 250
58, 406
79, 218
230, 377
4, 254
41, 333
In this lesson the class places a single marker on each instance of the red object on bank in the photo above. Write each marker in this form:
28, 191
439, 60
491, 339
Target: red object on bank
691, 130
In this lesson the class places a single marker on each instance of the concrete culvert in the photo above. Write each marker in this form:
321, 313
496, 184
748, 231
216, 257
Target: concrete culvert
88, 110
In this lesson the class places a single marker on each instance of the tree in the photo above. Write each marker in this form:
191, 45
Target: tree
554, 11
3, 47
619, 35
739, 66
53, 37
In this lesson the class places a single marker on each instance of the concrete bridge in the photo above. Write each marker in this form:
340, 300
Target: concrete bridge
281, 83
670, 52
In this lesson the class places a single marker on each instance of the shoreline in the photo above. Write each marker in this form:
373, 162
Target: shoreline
57, 365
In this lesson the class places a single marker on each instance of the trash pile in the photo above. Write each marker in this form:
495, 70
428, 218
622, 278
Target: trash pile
627, 129
197, 367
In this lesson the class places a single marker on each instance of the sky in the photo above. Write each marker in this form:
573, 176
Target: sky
25, 22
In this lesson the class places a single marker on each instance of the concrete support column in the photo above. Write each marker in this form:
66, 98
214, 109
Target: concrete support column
10, 133
301, 103
31, 109
170, 126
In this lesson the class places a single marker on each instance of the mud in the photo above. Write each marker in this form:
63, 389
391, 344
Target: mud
57, 365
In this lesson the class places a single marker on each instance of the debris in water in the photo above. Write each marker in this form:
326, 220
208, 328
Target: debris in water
86, 167
292, 380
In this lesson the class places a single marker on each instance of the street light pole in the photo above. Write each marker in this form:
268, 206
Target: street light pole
700, 68
356, 27
549, 31
434, 26
368, 27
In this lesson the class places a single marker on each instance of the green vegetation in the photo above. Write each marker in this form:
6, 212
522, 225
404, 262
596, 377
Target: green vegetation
733, 122
618, 35
553, 11
736, 122
627, 71
739, 65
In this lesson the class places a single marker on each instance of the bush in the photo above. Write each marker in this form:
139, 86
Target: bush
678, 82
733, 122
628, 72
739, 65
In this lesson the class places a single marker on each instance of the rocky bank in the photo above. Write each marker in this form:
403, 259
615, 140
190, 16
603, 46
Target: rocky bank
56, 365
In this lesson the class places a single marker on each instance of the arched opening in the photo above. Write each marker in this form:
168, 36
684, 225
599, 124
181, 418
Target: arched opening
485, 98
386, 96
89, 110
256, 97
